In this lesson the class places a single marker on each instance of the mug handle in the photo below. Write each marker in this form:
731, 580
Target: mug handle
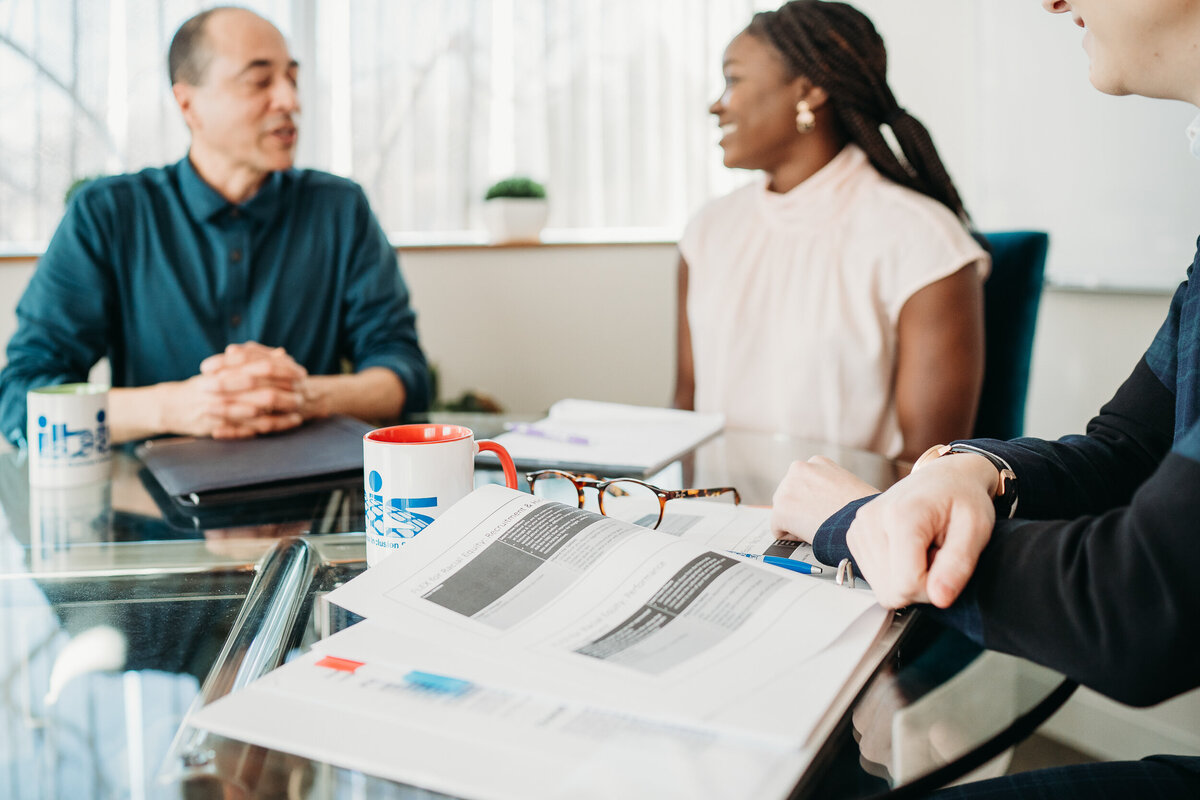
506, 462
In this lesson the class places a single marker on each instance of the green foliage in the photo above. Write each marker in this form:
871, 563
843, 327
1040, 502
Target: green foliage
74, 188
469, 401
518, 186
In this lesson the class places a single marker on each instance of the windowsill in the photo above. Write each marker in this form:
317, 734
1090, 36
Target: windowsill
551, 237
21, 251
1096, 288
455, 240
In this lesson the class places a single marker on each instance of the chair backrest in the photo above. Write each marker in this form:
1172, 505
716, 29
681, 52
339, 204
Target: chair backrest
1010, 298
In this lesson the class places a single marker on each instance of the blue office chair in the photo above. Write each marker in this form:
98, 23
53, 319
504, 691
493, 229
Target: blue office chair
1010, 304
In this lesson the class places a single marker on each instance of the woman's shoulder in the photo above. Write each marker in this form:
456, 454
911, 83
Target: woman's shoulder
910, 239
908, 223
888, 203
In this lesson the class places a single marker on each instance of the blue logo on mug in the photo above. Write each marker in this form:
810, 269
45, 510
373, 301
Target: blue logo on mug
393, 517
57, 440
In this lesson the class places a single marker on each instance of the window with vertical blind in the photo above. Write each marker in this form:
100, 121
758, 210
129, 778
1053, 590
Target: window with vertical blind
423, 102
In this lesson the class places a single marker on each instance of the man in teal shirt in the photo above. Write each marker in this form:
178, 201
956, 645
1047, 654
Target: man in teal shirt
227, 290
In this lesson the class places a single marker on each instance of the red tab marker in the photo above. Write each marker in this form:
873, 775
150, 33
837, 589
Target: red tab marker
342, 664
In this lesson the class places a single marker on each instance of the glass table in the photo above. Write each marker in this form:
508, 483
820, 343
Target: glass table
121, 613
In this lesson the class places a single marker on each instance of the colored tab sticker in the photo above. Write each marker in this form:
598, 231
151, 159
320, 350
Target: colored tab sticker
340, 664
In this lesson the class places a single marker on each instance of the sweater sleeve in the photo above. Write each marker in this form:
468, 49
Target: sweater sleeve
380, 321
1123, 446
1094, 580
63, 318
1107, 599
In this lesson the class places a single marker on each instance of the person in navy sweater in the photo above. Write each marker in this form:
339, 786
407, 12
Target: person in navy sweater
1079, 553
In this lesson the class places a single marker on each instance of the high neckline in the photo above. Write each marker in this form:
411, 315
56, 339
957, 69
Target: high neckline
812, 195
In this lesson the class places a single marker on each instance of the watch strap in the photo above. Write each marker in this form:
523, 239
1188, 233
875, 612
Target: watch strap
1004, 497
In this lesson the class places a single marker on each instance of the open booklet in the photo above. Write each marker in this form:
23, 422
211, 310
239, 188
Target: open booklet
521, 648
607, 439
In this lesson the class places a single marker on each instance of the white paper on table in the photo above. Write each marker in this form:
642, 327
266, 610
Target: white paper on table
491, 742
621, 439
372, 722
674, 631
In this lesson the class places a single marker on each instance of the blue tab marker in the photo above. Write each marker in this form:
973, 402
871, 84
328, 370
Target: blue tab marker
440, 684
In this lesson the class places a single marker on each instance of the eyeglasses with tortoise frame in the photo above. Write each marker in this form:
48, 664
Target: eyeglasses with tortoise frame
624, 487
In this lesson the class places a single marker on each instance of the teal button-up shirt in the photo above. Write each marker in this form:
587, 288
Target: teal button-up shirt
157, 271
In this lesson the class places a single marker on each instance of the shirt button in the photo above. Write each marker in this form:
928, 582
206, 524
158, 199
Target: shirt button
235, 255
234, 213
235, 320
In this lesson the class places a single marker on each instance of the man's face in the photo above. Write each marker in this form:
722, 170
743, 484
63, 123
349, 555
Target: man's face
242, 111
1133, 46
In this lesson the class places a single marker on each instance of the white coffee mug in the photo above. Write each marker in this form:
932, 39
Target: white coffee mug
412, 473
67, 434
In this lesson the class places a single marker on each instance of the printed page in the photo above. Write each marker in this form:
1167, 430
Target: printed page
741, 529
609, 614
490, 742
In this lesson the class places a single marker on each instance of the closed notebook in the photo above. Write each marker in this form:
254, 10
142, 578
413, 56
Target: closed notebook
320, 453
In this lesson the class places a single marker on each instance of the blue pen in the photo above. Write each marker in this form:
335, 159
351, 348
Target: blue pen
786, 563
530, 429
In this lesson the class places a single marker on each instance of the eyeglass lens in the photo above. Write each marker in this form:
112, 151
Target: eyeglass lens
560, 489
625, 500
632, 502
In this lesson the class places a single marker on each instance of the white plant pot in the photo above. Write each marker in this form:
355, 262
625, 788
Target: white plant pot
511, 220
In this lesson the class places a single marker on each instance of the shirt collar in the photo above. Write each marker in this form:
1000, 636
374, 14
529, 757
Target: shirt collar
205, 203
261, 207
813, 199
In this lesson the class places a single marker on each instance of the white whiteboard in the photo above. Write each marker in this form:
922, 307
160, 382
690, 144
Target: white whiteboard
1003, 86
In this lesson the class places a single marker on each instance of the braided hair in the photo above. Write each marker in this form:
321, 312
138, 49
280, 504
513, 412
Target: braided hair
837, 48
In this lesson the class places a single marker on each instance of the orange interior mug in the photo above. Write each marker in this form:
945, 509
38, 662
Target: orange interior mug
412, 473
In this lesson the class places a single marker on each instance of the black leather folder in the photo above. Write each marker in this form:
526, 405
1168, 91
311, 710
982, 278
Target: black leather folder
323, 453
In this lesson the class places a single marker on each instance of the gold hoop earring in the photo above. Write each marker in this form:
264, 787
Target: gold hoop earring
806, 120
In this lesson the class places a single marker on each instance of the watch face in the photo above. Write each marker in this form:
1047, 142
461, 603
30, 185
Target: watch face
1006, 494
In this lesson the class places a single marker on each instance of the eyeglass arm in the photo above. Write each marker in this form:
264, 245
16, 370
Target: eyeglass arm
672, 494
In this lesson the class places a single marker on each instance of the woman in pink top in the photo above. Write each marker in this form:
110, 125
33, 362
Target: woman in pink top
838, 297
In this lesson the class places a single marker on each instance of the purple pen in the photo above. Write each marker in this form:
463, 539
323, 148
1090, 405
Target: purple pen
530, 429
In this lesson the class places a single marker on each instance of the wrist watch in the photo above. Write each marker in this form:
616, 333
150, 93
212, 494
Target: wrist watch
1004, 496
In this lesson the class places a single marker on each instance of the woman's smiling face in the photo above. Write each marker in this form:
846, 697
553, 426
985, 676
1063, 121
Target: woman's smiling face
757, 110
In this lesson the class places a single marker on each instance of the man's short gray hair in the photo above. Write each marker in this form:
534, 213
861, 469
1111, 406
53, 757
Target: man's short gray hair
189, 54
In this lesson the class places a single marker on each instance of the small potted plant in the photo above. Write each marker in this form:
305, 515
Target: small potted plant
515, 210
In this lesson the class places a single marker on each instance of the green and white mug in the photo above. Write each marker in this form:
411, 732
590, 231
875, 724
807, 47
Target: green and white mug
67, 434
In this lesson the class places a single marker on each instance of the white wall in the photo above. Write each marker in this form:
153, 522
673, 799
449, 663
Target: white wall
1087, 343
533, 325
1003, 87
